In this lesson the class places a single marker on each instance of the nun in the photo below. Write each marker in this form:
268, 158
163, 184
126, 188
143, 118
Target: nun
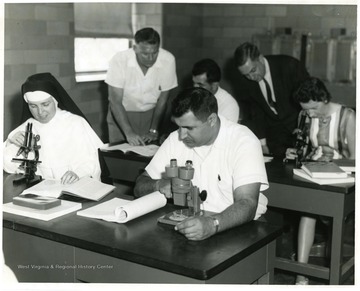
68, 145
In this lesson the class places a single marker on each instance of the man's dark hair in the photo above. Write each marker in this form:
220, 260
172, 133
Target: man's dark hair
210, 67
312, 89
244, 52
148, 35
199, 101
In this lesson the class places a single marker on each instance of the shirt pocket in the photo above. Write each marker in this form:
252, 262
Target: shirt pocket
224, 185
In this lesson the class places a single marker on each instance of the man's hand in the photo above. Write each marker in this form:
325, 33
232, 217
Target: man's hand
69, 177
164, 186
134, 139
150, 137
196, 228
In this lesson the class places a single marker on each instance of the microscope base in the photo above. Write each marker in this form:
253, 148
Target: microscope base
28, 181
173, 218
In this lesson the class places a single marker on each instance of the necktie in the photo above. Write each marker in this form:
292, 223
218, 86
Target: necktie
269, 98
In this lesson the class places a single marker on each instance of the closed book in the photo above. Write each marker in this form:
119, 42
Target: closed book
323, 181
323, 170
36, 201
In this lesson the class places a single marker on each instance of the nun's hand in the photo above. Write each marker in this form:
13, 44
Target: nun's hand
17, 139
69, 177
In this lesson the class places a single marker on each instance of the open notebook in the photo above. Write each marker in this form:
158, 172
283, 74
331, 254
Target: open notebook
86, 187
146, 151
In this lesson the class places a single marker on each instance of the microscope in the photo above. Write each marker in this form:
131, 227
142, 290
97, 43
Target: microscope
29, 166
301, 142
184, 193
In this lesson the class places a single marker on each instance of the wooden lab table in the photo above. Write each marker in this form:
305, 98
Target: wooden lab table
289, 192
72, 248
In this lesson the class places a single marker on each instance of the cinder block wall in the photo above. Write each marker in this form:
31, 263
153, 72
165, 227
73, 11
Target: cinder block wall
39, 37
226, 26
222, 27
183, 36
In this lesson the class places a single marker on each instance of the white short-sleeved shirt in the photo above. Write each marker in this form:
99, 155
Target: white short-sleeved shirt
141, 92
227, 105
233, 160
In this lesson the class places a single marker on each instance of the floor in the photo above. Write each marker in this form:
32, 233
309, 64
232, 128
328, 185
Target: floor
287, 249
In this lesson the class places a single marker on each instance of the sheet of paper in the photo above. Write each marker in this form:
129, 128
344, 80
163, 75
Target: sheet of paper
323, 181
48, 187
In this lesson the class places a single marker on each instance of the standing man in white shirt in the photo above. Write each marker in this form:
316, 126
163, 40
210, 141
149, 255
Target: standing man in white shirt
227, 161
206, 74
139, 81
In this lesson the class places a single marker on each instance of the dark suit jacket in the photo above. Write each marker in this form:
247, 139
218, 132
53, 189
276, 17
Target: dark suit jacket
286, 73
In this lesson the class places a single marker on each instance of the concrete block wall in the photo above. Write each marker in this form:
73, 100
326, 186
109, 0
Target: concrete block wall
148, 14
183, 36
222, 27
39, 37
228, 25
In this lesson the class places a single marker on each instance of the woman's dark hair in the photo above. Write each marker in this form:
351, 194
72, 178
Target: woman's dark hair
312, 89
197, 100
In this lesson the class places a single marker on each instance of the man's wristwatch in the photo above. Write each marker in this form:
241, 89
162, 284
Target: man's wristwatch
216, 223
154, 131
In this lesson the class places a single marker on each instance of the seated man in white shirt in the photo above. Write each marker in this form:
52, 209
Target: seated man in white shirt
228, 164
207, 74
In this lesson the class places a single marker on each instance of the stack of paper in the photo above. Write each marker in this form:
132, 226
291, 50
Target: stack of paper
65, 207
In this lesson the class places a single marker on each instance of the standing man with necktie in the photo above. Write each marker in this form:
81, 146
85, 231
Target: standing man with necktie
267, 84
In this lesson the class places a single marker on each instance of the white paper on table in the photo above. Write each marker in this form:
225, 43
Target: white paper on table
267, 159
121, 210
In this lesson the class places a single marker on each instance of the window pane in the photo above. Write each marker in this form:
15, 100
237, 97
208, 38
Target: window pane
92, 56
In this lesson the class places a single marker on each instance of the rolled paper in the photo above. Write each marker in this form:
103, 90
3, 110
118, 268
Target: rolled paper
140, 206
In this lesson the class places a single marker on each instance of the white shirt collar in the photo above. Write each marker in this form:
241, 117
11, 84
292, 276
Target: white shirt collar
267, 71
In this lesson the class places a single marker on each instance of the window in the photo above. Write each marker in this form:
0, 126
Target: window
92, 56
101, 30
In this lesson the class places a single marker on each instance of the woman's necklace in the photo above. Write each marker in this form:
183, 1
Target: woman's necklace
325, 119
